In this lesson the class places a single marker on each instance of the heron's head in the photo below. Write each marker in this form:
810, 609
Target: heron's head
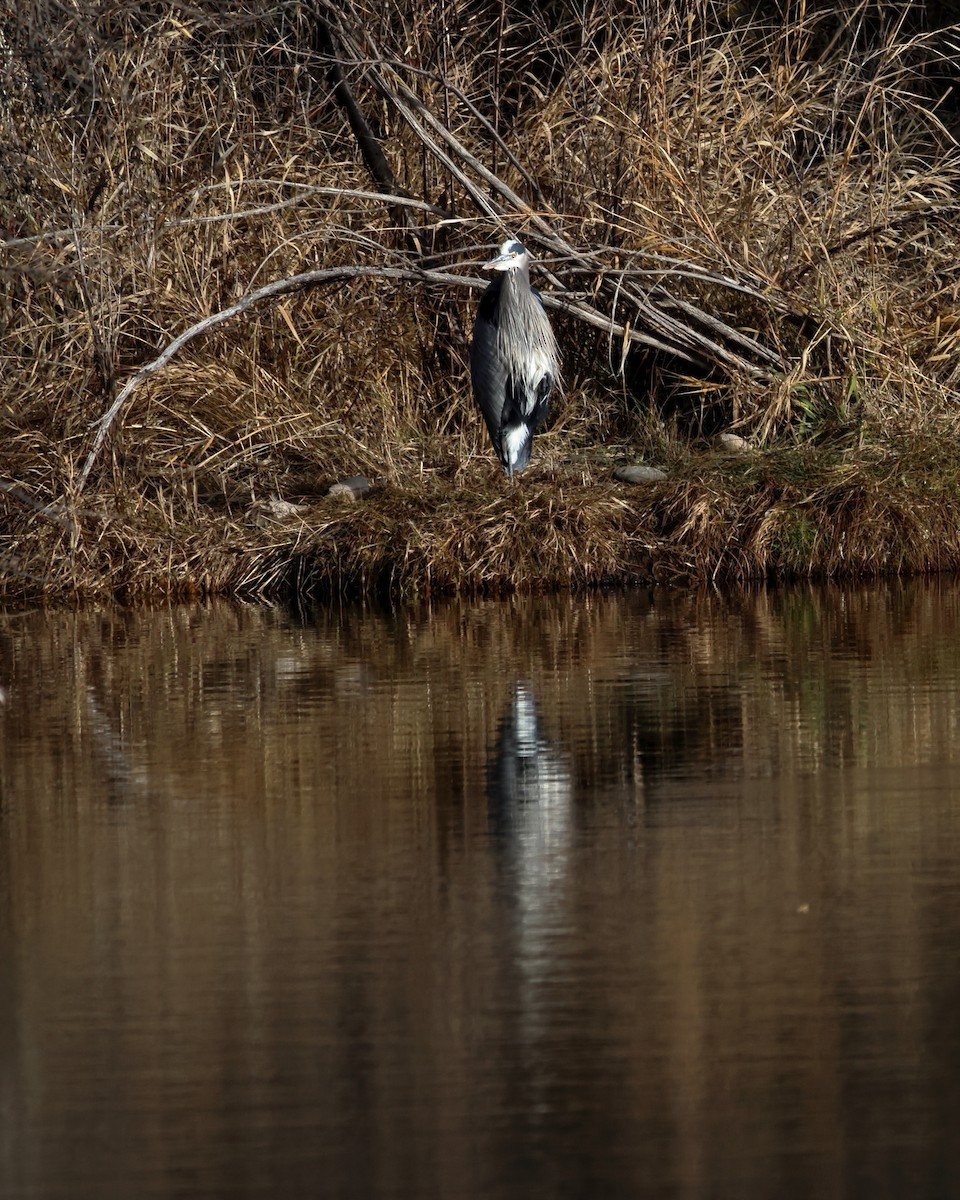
512, 255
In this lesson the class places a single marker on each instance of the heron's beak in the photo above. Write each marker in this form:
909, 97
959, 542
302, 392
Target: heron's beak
499, 261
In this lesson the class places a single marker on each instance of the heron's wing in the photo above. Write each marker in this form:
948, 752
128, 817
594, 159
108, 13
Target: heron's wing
527, 400
550, 379
488, 374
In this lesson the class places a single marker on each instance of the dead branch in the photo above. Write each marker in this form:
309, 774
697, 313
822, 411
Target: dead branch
680, 327
279, 287
371, 151
329, 275
50, 512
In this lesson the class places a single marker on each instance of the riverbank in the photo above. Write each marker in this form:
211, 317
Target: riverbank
715, 519
240, 262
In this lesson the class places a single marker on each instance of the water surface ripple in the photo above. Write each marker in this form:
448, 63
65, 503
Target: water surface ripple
618, 896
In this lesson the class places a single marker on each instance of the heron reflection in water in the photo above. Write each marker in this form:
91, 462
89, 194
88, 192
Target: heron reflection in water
528, 780
530, 798
514, 363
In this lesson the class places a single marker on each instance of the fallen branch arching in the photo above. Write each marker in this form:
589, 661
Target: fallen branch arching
328, 275
279, 287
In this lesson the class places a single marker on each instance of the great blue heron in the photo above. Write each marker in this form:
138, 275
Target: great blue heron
513, 359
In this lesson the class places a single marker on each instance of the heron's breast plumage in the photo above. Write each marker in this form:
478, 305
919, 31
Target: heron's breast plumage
515, 365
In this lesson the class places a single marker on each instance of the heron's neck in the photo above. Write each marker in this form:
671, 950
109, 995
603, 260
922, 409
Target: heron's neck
517, 280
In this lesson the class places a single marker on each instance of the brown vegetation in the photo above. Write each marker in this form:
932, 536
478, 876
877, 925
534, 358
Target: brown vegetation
746, 217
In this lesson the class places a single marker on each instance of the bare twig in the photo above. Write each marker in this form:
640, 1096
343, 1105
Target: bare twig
341, 193
51, 512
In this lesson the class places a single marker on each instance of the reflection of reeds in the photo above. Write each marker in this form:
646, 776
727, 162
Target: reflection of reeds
749, 194
629, 690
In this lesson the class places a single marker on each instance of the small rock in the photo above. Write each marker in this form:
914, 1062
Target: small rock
636, 473
354, 488
732, 443
268, 512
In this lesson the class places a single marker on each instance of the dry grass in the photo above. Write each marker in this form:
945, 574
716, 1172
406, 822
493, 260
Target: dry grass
794, 179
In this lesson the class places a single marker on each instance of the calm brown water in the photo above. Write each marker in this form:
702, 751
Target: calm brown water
614, 897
